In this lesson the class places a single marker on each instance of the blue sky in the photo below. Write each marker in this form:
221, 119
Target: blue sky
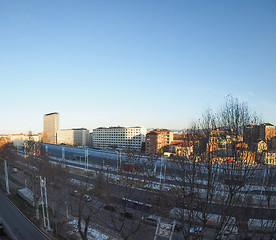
152, 63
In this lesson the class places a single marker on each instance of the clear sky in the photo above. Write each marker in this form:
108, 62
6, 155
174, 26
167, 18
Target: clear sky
151, 63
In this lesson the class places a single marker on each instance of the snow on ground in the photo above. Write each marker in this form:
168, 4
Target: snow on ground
92, 234
89, 186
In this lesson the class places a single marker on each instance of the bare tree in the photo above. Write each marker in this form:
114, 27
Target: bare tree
7, 153
213, 183
88, 205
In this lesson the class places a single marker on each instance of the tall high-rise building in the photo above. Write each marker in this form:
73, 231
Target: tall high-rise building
51, 126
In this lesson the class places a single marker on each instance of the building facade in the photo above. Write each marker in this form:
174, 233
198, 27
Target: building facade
74, 137
24, 137
119, 137
267, 131
157, 139
255, 133
251, 135
181, 148
51, 127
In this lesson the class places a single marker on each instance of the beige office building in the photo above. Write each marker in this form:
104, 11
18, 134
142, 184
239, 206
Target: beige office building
75, 136
51, 127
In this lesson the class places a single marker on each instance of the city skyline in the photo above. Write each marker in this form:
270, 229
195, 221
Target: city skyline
147, 63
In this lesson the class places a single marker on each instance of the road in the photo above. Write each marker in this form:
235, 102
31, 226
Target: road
144, 196
22, 228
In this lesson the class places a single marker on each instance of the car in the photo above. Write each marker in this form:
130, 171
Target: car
14, 170
127, 214
75, 193
151, 219
109, 207
178, 225
195, 230
87, 198
230, 232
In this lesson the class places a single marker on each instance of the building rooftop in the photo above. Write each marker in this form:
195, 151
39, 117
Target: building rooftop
158, 130
51, 113
117, 127
268, 124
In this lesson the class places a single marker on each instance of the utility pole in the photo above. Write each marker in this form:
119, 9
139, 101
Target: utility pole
119, 160
86, 159
163, 164
66, 209
43, 191
7, 177
25, 151
63, 156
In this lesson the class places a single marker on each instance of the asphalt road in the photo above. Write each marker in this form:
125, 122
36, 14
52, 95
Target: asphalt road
148, 231
22, 228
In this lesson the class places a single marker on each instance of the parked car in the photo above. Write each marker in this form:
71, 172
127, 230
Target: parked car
151, 219
178, 225
109, 207
127, 214
14, 170
87, 198
230, 232
75, 193
195, 230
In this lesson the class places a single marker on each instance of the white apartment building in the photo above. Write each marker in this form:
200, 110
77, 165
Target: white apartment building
75, 136
119, 137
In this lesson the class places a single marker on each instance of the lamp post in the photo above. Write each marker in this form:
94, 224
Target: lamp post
43, 192
163, 164
118, 160
66, 209
7, 177
63, 156
86, 159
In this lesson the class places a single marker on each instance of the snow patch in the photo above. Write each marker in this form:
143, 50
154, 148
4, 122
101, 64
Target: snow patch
92, 234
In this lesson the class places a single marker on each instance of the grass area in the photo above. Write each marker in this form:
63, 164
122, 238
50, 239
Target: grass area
26, 209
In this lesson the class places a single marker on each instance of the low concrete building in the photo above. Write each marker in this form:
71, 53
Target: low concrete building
74, 136
25, 137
